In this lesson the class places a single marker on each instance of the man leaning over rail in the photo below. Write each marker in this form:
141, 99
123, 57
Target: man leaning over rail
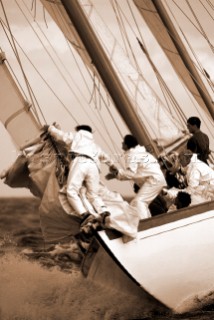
144, 170
86, 156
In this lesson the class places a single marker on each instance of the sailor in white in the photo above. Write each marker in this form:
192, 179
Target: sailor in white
144, 169
199, 176
84, 168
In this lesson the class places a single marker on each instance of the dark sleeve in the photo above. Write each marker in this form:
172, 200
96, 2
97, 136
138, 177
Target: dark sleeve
192, 145
158, 206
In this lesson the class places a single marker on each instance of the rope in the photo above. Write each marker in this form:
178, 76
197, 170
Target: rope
159, 78
165, 89
211, 5
75, 120
200, 26
13, 46
206, 9
198, 66
200, 31
74, 83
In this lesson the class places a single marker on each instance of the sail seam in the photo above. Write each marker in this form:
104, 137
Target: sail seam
16, 114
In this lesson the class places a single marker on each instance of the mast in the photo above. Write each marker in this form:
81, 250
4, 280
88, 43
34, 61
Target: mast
185, 56
107, 73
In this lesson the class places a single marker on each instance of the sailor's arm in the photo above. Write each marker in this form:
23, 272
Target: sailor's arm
105, 158
60, 135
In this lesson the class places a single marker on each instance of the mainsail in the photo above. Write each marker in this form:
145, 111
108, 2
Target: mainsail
157, 19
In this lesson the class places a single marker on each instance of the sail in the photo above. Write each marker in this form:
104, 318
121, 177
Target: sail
15, 111
158, 122
166, 35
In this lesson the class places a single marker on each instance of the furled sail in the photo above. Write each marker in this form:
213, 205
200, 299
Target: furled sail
15, 111
158, 21
158, 122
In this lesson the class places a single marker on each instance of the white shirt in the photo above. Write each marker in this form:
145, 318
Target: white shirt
81, 142
140, 166
199, 175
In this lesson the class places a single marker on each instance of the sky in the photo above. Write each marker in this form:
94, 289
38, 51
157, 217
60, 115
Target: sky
51, 101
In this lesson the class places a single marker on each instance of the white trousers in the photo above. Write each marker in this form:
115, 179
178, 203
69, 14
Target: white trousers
84, 171
145, 195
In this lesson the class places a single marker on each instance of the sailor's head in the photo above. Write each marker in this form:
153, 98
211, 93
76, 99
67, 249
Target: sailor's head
185, 157
83, 127
193, 124
129, 141
182, 200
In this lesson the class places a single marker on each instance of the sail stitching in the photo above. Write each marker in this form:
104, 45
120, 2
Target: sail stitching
16, 114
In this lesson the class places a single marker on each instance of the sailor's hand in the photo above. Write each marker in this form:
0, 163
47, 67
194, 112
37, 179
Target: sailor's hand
113, 169
110, 176
56, 125
45, 128
3, 174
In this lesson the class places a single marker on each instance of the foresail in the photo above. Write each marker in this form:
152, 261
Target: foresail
153, 12
15, 111
149, 108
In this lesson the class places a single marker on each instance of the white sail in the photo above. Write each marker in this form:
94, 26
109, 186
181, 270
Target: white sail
15, 111
149, 108
169, 40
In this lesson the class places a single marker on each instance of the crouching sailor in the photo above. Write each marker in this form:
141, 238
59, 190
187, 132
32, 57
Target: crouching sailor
86, 156
144, 169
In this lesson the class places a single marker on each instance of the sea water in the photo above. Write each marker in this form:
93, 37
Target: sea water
30, 290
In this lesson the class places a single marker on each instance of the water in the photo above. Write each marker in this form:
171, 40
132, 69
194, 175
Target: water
40, 286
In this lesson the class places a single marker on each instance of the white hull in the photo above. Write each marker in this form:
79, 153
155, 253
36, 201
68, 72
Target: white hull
172, 261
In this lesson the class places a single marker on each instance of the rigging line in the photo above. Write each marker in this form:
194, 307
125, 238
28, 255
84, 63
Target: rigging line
105, 47
100, 94
171, 98
33, 6
64, 77
113, 36
102, 98
97, 89
126, 37
115, 150
190, 21
93, 95
13, 46
159, 77
199, 67
71, 45
9, 66
199, 110
200, 26
119, 20
210, 4
206, 9
54, 65
35, 99
136, 24
149, 59
88, 114
163, 85
66, 69
44, 17
20, 87
77, 64
195, 80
